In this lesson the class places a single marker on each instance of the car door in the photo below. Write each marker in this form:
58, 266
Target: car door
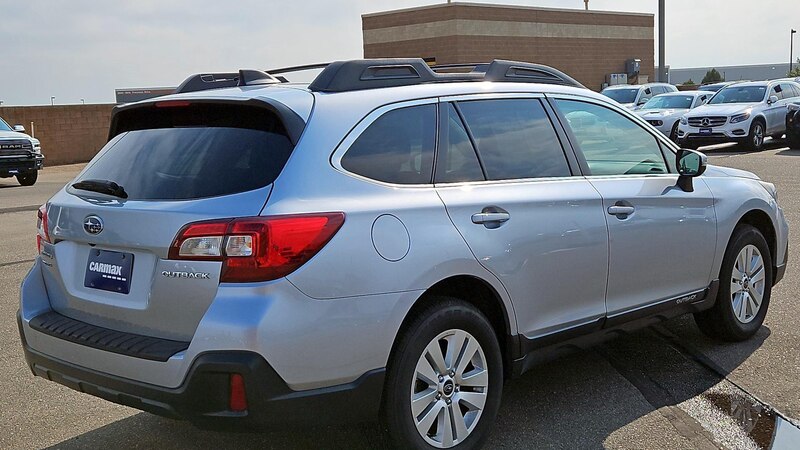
775, 112
540, 229
661, 239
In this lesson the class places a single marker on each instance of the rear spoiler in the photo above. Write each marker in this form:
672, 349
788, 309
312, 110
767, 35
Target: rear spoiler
292, 122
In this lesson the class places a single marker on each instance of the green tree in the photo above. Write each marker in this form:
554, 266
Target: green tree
796, 71
712, 76
690, 82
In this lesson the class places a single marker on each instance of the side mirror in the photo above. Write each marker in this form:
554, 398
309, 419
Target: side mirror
691, 164
19, 128
772, 99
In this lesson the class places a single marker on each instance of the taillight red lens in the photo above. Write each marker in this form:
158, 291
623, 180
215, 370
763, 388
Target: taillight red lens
41, 227
257, 248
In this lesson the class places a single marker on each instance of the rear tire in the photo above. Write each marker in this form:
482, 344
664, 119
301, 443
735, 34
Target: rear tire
745, 286
455, 401
793, 138
755, 139
28, 178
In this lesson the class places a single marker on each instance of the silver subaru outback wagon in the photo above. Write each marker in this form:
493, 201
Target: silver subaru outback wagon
390, 240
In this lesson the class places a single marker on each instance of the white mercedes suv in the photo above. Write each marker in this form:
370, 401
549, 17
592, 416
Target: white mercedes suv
745, 113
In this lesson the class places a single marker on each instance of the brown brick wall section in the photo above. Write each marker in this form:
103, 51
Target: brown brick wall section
587, 60
69, 134
503, 13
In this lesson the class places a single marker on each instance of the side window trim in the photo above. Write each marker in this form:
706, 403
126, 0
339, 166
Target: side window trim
667, 150
471, 136
443, 141
365, 122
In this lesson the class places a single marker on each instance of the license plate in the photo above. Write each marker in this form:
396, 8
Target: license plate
706, 131
109, 271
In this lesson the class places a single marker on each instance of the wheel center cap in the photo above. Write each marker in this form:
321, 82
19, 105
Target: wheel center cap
448, 387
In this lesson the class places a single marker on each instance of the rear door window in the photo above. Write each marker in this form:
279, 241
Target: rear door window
515, 139
396, 148
457, 161
193, 152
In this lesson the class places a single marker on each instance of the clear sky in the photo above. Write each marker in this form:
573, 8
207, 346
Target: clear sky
86, 48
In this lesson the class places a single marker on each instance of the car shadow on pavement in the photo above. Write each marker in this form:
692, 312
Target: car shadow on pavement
622, 393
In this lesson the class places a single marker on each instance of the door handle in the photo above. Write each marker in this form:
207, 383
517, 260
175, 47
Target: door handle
490, 217
617, 210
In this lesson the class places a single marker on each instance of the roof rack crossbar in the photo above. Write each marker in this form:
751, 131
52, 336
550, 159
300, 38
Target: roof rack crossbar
342, 76
297, 68
206, 81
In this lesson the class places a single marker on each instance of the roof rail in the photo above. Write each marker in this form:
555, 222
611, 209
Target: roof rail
206, 81
342, 76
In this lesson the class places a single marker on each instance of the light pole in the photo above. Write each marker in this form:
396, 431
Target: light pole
791, 50
52, 101
662, 57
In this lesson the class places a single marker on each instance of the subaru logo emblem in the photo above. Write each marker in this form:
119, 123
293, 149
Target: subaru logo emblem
93, 224
705, 122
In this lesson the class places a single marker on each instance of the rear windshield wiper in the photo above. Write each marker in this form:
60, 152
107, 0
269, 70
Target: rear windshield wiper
102, 186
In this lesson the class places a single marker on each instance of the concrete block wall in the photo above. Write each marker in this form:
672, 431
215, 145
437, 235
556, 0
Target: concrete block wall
68, 133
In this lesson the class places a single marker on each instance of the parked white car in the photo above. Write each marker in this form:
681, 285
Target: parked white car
665, 110
745, 113
632, 96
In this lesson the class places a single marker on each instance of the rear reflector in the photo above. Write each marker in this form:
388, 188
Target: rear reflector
237, 401
257, 248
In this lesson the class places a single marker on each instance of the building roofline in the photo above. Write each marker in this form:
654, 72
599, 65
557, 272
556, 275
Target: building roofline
733, 66
493, 5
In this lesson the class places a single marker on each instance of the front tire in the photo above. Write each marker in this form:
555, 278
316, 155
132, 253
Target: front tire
673, 135
745, 287
28, 178
445, 378
755, 139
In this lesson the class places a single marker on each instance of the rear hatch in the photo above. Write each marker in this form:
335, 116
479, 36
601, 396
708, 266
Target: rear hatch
167, 164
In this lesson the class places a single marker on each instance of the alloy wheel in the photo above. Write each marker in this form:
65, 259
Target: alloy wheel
449, 388
758, 135
747, 284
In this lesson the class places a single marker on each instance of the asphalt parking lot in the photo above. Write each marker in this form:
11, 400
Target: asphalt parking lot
664, 387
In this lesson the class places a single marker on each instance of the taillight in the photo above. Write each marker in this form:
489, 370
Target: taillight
41, 228
257, 248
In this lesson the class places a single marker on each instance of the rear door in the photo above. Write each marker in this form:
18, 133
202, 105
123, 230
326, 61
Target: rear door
108, 262
661, 239
525, 216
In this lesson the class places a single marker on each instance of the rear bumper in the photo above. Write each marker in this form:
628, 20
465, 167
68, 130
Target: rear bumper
203, 396
12, 166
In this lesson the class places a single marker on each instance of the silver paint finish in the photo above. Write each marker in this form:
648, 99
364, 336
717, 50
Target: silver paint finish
556, 234
664, 247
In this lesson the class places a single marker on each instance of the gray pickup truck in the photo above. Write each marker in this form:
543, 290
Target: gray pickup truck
20, 155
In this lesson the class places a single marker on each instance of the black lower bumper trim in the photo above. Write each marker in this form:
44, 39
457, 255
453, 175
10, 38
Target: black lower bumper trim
203, 396
145, 347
